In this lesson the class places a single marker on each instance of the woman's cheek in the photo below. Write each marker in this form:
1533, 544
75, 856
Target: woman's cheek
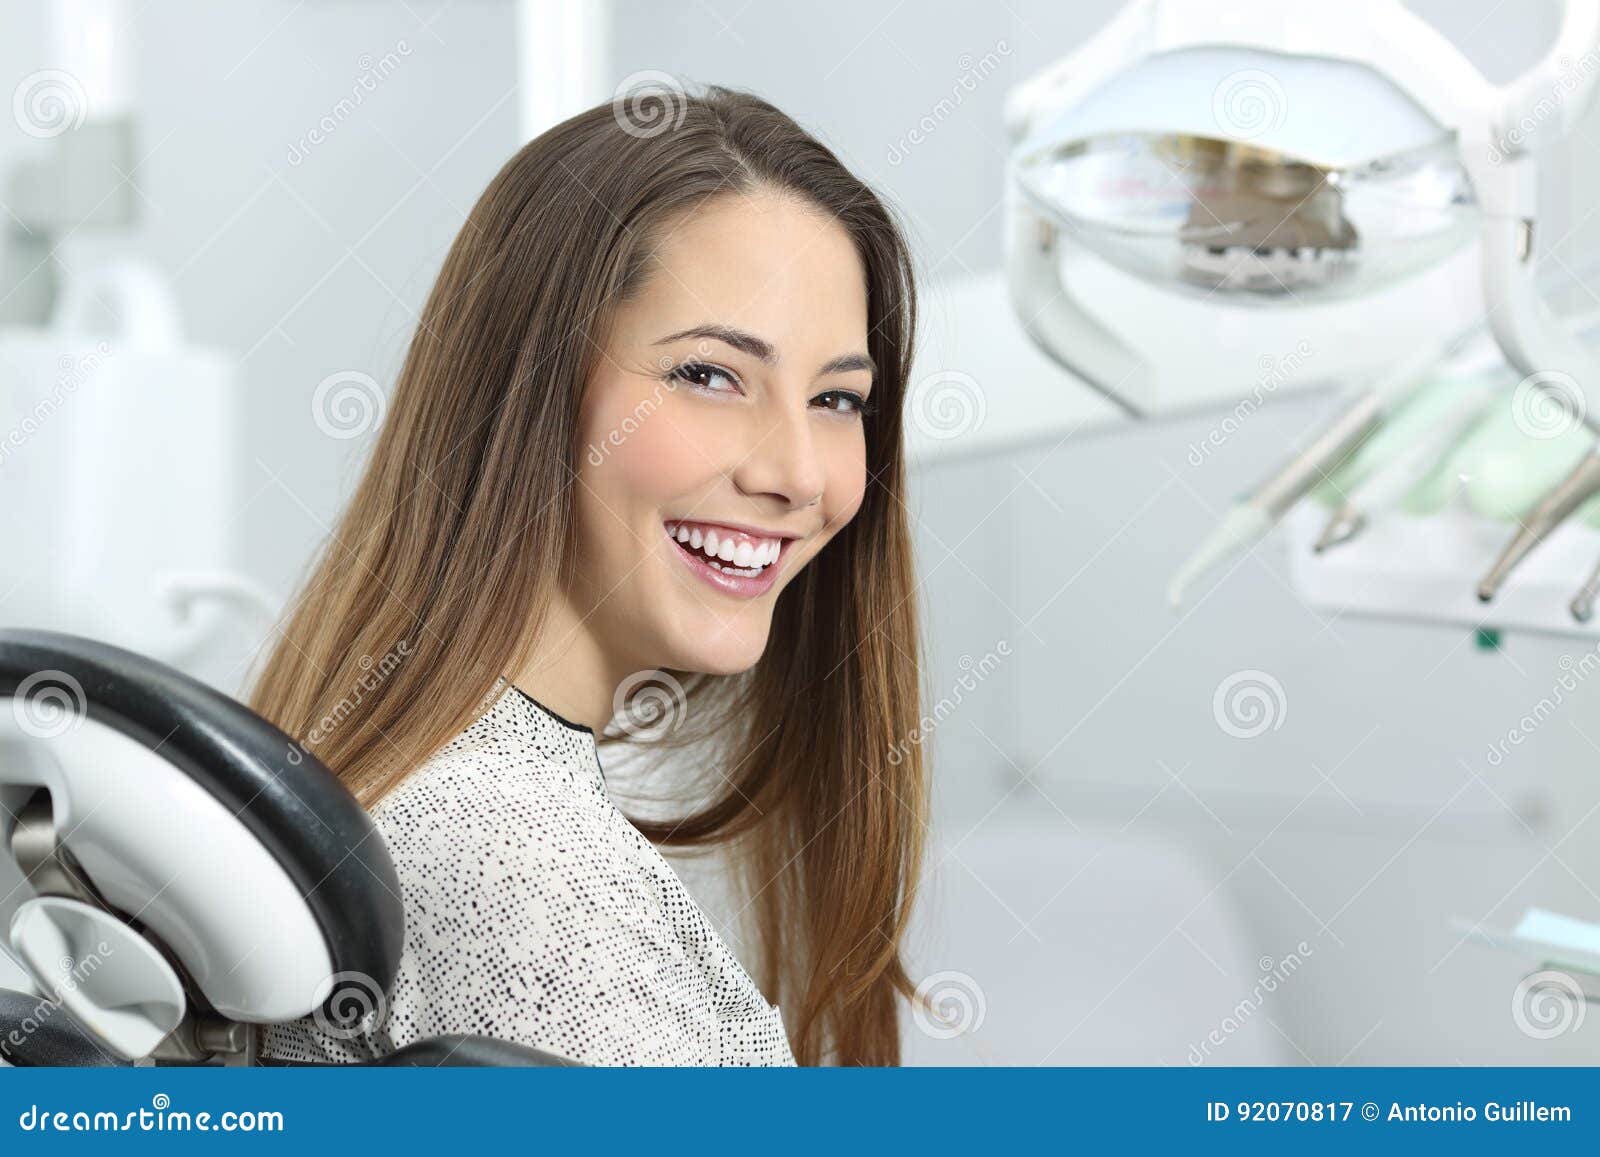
847, 487
647, 453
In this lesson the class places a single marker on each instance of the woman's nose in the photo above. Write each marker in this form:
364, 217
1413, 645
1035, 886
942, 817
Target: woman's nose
782, 458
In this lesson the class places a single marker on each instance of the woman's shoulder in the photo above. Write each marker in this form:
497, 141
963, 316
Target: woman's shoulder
505, 801
505, 756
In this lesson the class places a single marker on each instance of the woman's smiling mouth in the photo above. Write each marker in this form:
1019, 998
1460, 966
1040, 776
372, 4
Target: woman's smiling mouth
737, 561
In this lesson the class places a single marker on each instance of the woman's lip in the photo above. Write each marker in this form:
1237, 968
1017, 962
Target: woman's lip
736, 527
730, 584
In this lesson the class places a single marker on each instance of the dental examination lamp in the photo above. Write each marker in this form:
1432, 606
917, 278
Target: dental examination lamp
1288, 156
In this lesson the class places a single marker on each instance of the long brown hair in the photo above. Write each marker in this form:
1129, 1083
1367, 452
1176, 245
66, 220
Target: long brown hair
434, 582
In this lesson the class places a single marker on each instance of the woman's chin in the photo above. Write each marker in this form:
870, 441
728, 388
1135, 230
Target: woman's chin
730, 654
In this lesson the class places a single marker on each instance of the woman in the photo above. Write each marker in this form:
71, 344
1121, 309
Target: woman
646, 442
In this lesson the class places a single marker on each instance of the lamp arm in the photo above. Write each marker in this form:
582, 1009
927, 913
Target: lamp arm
1548, 100
1502, 152
1533, 340
1071, 337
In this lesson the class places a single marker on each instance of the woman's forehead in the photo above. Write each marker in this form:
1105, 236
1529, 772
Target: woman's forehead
760, 262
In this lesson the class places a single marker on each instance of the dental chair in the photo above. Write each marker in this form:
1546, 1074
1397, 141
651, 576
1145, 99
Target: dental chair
175, 870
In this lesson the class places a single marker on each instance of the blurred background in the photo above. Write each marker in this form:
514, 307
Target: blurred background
1277, 824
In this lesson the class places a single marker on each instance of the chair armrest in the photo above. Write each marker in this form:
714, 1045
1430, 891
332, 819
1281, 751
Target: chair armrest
451, 1050
460, 1049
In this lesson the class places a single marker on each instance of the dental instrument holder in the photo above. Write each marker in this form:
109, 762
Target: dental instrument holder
1415, 568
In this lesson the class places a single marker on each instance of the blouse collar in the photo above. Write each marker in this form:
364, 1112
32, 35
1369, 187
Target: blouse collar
558, 739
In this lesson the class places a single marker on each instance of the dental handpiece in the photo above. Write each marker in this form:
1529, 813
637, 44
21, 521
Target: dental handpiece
1390, 483
1295, 479
1581, 484
1572, 492
1583, 601
1252, 516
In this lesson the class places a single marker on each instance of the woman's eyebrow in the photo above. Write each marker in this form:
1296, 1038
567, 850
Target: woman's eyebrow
845, 363
747, 342
762, 350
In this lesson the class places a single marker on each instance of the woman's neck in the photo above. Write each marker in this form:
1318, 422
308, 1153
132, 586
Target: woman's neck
570, 674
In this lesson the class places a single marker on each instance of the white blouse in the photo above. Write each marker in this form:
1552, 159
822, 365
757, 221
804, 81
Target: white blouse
535, 912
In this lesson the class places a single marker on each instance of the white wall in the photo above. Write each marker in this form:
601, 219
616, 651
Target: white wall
302, 268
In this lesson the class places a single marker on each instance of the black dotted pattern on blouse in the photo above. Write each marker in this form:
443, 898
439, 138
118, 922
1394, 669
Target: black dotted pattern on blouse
535, 912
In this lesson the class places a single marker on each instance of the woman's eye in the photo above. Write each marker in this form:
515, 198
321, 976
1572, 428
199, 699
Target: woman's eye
704, 376
844, 402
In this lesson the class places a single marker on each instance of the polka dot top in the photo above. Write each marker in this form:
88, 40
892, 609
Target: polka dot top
535, 912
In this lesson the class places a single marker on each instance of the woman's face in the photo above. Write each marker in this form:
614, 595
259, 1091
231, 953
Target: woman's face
722, 441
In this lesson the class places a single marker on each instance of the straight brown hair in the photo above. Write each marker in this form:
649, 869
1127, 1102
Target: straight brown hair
438, 573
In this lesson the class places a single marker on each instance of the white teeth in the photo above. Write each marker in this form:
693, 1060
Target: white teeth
742, 558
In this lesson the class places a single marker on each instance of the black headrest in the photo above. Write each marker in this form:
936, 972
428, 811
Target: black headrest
296, 808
